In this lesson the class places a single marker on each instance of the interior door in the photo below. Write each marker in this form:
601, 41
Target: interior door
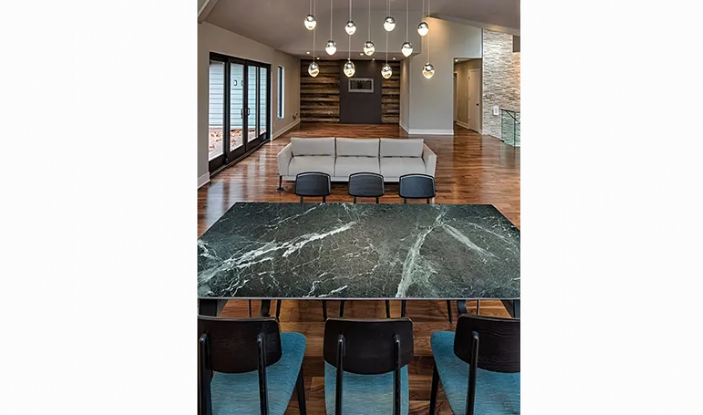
475, 100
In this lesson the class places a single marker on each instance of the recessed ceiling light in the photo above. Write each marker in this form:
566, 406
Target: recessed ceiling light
307, 53
373, 59
361, 54
456, 60
393, 58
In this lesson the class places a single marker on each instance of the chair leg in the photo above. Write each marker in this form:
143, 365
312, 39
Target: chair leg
478, 307
324, 310
354, 199
301, 199
403, 304
280, 182
449, 310
249, 308
428, 201
388, 309
435, 385
377, 201
300, 389
341, 308
405, 201
278, 309
324, 199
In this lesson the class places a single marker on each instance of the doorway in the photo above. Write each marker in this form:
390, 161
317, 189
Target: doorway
475, 100
456, 98
238, 110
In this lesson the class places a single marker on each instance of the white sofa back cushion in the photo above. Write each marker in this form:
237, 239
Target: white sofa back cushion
399, 147
357, 147
312, 146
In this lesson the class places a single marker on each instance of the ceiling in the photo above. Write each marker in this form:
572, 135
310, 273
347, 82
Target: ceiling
275, 22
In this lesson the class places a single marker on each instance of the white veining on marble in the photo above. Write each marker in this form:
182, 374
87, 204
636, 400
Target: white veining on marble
452, 231
335, 291
407, 277
305, 239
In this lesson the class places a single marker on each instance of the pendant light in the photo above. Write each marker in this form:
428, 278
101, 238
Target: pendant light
389, 22
423, 28
310, 21
349, 68
386, 71
314, 68
331, 46
428, 69
407, 48
350, 28
369, 47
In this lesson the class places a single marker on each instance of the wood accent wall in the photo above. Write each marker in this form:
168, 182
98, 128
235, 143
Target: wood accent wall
319, 96
390, 104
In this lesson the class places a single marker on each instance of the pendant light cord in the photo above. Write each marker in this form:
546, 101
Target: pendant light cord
406, 20
370, 19
331, 20
388, 11
428, 37
314, 53
350, 19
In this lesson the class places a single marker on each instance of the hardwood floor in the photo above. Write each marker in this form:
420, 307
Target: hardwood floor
470, 169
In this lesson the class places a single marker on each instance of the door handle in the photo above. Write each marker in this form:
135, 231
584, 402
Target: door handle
247, 112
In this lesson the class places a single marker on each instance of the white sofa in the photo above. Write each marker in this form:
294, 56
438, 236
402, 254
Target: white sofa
340, 157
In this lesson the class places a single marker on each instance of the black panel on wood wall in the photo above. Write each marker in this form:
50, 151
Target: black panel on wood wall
361, 107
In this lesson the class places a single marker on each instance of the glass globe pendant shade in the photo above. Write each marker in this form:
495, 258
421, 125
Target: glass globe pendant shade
407, 49
313, 69
423, 29
428, 70
330, 47
369, 48
350, 28
386, 71
310, 22
349, 69
389, 24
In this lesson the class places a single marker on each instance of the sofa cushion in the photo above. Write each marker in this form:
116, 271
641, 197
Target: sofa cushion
302, 164
344, 166
395, 147
312, 146
398, 166
363, 147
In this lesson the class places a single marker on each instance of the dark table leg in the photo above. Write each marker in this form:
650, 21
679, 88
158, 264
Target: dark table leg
265, 308
210, 307
513, 307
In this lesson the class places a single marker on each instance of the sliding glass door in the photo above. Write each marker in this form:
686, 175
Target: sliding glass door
239, 110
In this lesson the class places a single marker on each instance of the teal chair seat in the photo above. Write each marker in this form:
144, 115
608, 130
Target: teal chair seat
496, 393
238, 393
365, 394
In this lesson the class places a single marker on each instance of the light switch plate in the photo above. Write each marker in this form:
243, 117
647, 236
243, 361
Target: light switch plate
496, 110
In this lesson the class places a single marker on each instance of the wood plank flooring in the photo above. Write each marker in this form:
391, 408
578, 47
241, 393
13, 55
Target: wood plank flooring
470, 169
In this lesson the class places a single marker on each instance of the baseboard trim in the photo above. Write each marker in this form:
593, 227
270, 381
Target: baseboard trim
403, 126
203, 180
430, 132
463, 124
286, 128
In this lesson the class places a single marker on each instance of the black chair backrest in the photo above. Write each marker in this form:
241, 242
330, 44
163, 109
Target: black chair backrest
366, 185
499, 338
417, 186
232, 344
369, 344
313, 184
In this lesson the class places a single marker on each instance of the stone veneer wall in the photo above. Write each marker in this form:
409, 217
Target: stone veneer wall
501, 79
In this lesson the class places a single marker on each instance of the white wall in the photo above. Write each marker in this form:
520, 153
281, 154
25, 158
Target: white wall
215, 39
431, 101
404, 93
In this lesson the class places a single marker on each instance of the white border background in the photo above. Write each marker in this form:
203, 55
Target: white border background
97, 228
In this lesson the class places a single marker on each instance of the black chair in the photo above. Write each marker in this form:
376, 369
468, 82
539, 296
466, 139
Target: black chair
363, 358
252, 358
482, 380
417, 186
366, 185
313, 184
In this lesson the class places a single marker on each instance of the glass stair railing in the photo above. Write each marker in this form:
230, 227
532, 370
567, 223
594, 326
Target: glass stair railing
510, 127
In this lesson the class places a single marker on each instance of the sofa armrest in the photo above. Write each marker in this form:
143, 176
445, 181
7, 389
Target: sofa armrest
430, 159
284, 158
